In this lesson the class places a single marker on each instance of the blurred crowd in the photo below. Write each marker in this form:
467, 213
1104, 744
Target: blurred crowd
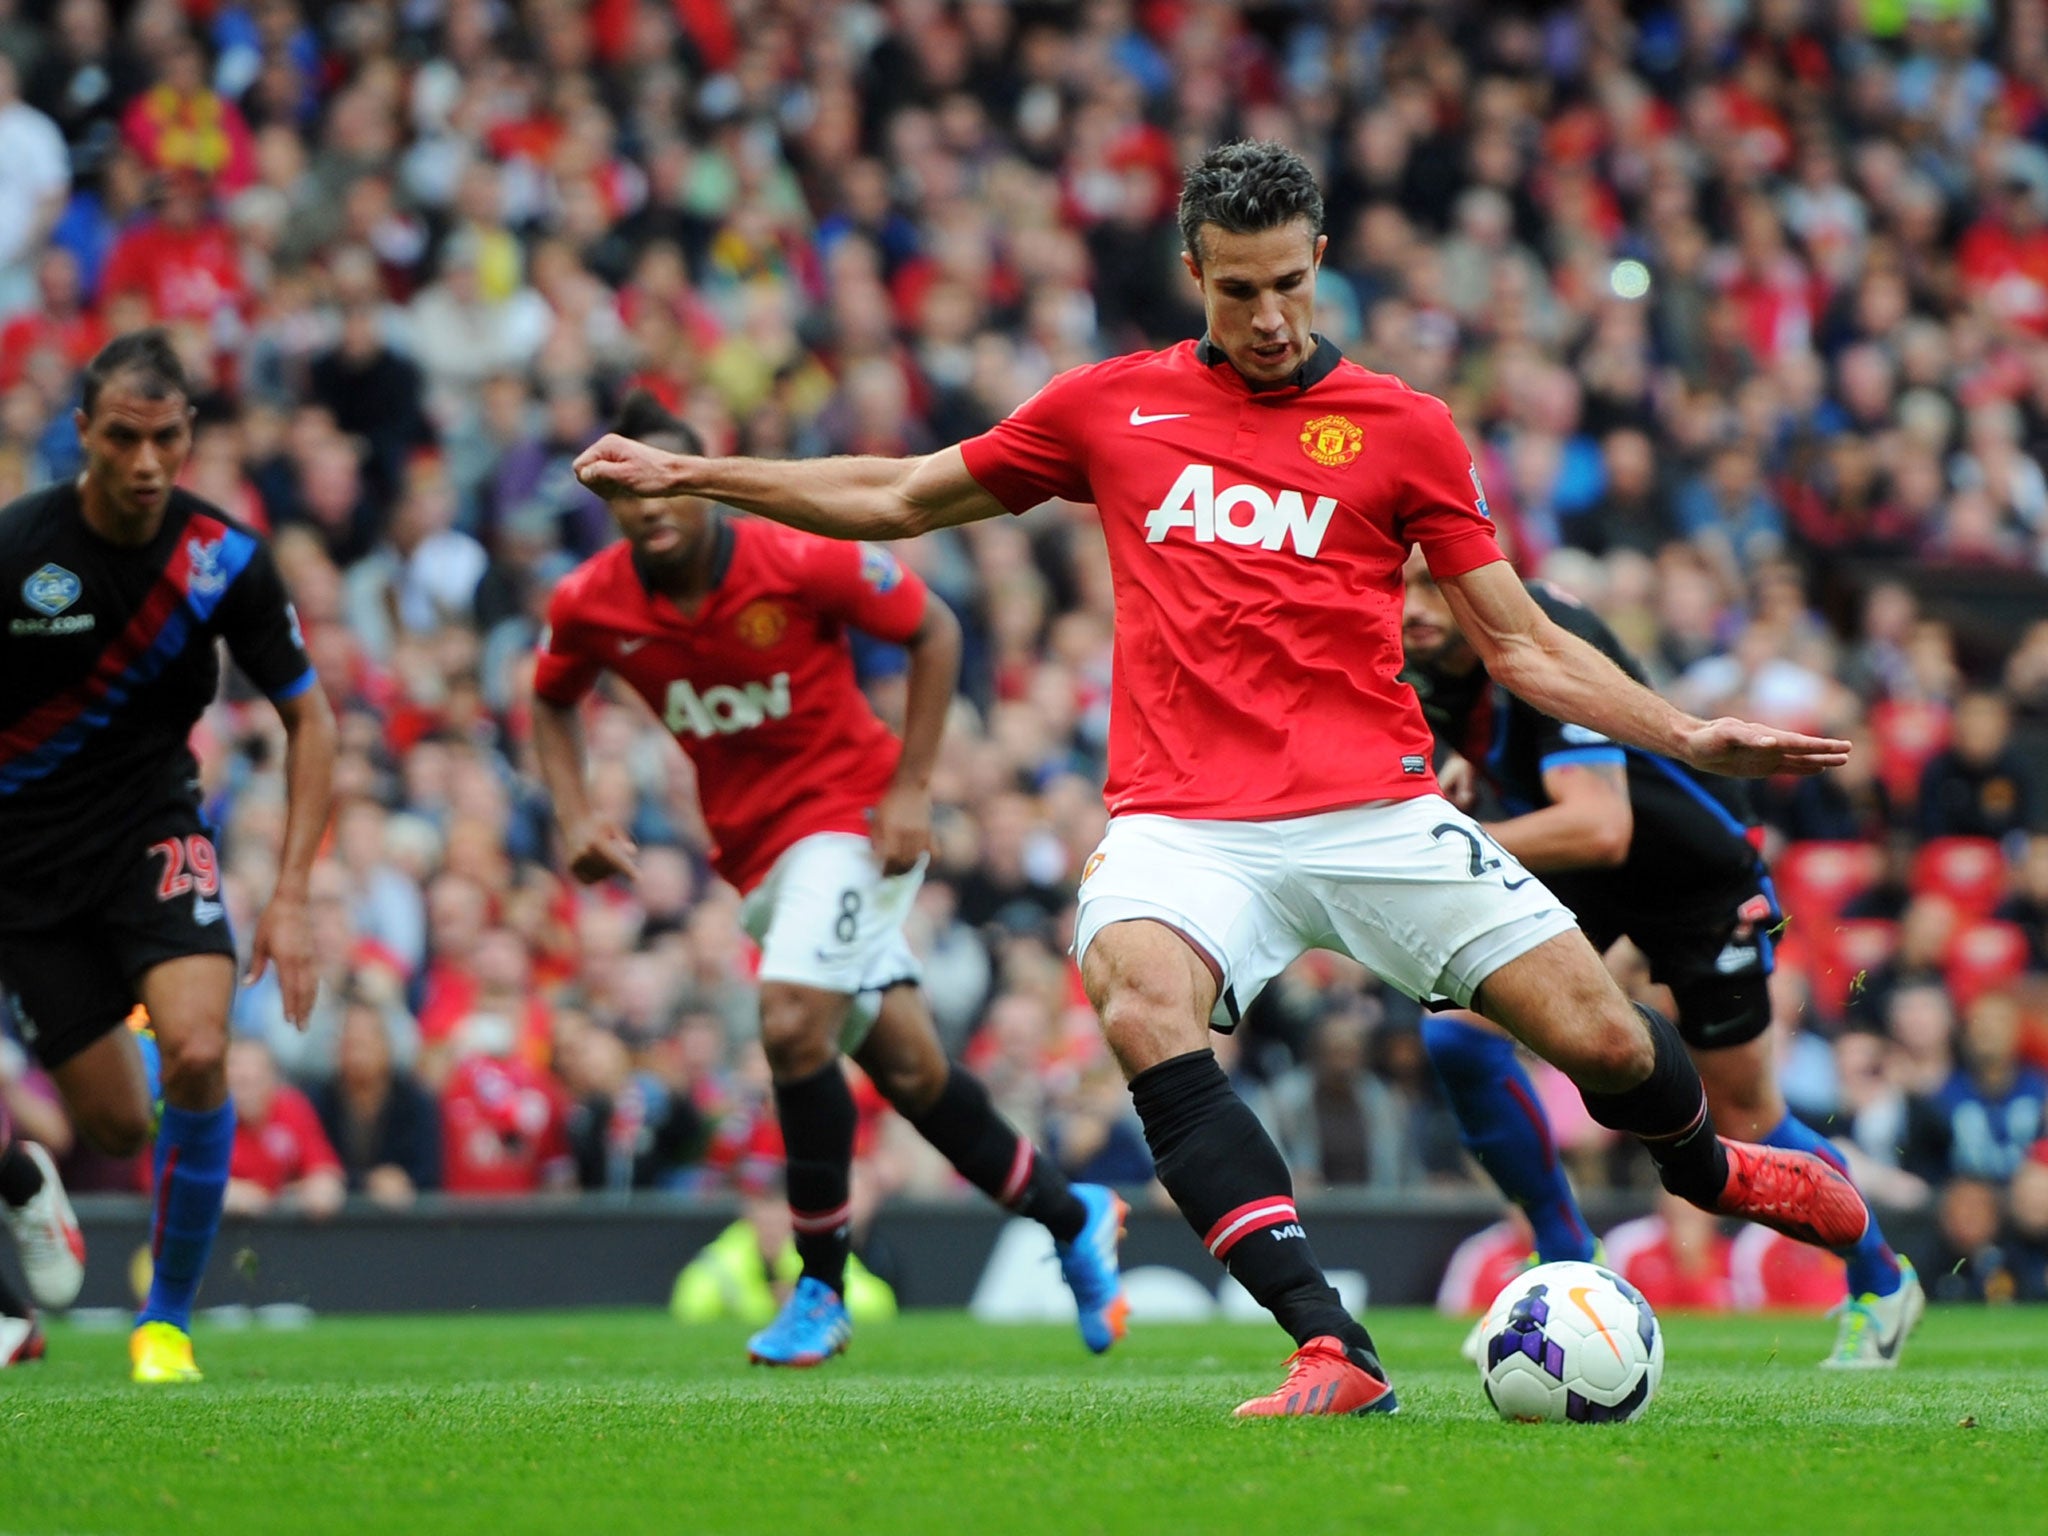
1743, 306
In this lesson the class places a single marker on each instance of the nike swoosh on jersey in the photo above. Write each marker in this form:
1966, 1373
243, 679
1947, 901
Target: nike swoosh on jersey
1139, 419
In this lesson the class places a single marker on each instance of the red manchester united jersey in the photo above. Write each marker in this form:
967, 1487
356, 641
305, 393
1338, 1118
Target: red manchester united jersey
1256, 539
757, 684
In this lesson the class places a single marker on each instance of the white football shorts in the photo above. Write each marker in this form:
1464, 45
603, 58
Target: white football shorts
1414, 890
827, 917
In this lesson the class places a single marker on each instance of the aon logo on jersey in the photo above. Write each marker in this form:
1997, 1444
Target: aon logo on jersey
724, 710
1239, 514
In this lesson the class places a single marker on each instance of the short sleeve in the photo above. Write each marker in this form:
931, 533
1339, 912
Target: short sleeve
1445, 506
1560, 744
564, 669
865, 587
261, 627
1035, 453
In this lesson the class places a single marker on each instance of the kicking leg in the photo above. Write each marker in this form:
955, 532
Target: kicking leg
951, 1109
1154, 994
1636, 1076
1503, 1125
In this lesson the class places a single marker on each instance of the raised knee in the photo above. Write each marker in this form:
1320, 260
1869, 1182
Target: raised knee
1616, 1057
194, 1061
1625, 1053
795, 1033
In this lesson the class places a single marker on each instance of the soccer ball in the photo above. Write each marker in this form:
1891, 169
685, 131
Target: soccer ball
1572, 1343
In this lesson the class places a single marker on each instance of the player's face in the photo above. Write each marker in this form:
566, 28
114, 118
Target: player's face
1259, 295
135, 446
662, 530
1429, 631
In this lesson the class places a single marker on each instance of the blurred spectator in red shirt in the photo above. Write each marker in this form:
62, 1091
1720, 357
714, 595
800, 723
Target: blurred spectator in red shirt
183, 260
58, 321
1677, 1258
504, 1122
282, 1158
1769, 1272
495, 980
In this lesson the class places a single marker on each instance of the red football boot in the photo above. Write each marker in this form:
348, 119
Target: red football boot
1796, 1193
1322, 1378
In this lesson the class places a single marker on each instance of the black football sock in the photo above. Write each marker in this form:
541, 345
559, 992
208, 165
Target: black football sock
1233, 1187
1667, 1113
989, 1153
818, 1118
20, 1179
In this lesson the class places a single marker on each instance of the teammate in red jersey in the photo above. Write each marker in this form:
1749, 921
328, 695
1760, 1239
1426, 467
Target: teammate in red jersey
735, 633
1269, 781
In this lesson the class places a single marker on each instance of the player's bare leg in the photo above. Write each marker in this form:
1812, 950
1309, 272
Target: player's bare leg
1636, 1075
800, 1028
188, 1000
1154, 992
107, 1092
951, 1109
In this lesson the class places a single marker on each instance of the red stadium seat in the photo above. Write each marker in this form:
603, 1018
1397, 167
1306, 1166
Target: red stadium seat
1816, 880
1908, 733
1985, 957
1843, 954
1968, 871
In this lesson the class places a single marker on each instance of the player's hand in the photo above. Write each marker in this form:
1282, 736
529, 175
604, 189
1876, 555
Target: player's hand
598, 850
1745, 750
618, 466
1459, 781
284, 936
902, 827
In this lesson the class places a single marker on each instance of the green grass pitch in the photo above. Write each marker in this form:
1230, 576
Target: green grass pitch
606, 1424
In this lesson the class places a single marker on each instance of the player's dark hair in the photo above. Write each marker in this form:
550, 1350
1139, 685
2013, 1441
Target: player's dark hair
146, 358
645, 419
1246, 187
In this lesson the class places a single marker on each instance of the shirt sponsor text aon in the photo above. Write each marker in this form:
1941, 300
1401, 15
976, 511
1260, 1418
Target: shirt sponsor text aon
723, 710
1240, 514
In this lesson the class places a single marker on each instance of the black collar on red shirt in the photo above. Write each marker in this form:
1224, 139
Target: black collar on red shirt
721, 557
1322, 362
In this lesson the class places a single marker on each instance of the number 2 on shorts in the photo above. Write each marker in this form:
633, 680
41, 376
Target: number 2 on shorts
1482, 864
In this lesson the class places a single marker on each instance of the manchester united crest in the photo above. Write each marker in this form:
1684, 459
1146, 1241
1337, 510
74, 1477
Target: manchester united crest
761, 624
1332, 440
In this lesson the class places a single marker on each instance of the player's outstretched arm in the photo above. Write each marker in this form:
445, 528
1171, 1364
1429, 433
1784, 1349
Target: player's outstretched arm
284, 934
903, 816
842, 498
1564, 676
594, 847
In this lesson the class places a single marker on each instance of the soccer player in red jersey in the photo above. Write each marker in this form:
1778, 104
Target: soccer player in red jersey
735, 633
1269, 783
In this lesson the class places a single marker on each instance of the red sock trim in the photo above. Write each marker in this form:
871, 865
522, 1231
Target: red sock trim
1253, 1216
1020, 1173
812, 1222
